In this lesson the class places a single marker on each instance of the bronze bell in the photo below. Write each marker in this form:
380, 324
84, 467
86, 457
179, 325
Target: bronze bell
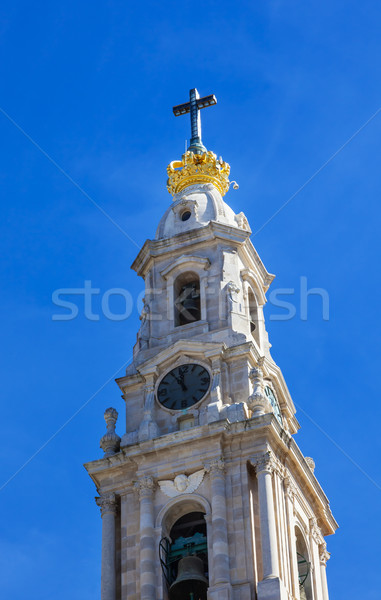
191, 583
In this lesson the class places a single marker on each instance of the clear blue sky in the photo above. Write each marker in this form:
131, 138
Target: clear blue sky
93, 84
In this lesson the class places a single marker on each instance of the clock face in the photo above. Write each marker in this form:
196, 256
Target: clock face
183, 387
274, 403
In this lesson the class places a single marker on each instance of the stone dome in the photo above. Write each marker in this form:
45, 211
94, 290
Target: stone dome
195, 207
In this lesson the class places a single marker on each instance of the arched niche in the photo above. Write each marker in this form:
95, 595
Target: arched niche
182, 268
304, 563
177, 508
183, 517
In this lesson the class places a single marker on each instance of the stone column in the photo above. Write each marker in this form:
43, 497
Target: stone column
316, 539
219, 561
145, 487
290, 493
324, 556
264, 465
108, 506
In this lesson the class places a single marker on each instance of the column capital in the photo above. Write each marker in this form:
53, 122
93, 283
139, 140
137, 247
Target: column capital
264, 463
324, 555
216, 466
107, 503
145, 486
315, 531
290, 488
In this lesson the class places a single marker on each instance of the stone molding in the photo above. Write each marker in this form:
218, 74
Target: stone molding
185, 260
145, 486
107, 502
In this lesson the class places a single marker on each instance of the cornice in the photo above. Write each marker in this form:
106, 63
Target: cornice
179, 348
254, 436
253, 256
176, 244
132, 382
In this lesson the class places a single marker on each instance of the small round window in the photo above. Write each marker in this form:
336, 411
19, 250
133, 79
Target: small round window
186, 215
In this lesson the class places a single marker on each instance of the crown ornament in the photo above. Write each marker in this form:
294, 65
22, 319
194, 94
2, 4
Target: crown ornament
198, 168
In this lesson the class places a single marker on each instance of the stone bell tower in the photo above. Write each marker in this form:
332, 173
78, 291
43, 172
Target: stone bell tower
206, 496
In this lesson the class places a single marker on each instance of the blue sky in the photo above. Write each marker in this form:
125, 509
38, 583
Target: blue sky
93, 84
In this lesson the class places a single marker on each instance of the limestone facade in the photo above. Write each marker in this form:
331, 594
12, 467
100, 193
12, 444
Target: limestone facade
231, 456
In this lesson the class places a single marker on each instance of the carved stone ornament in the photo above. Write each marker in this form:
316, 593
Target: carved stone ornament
324, 555
144, 486
233, 290
258, 402
315, 531
182, 484
215, 466
242, 221
110, 442
264, 463
107, 503
290, 488
144, 331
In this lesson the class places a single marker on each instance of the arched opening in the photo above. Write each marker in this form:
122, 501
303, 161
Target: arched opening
304, 567
253, 315
187, 299
184, 558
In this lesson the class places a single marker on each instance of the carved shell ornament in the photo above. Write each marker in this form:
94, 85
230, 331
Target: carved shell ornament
182, 484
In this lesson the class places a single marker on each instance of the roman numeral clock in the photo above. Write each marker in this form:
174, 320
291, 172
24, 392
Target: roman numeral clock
183, 387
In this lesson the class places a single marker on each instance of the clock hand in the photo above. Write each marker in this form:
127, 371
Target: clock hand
180, 381
185, 389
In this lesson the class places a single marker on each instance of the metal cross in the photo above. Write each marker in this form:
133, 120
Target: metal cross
193, 107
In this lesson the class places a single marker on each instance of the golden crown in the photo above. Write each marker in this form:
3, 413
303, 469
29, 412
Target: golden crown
198, 168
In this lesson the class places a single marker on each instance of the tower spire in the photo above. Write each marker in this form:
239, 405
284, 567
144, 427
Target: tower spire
193, 107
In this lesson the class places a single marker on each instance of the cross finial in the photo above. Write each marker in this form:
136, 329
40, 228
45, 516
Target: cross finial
193, 107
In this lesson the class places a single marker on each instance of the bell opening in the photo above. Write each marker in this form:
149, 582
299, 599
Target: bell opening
185, 558
187, 299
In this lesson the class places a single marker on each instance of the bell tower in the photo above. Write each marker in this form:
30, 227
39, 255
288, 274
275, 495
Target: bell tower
206, 496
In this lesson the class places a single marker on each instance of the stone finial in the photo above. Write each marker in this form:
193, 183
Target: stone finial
258, 402
310, 462
110, 442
